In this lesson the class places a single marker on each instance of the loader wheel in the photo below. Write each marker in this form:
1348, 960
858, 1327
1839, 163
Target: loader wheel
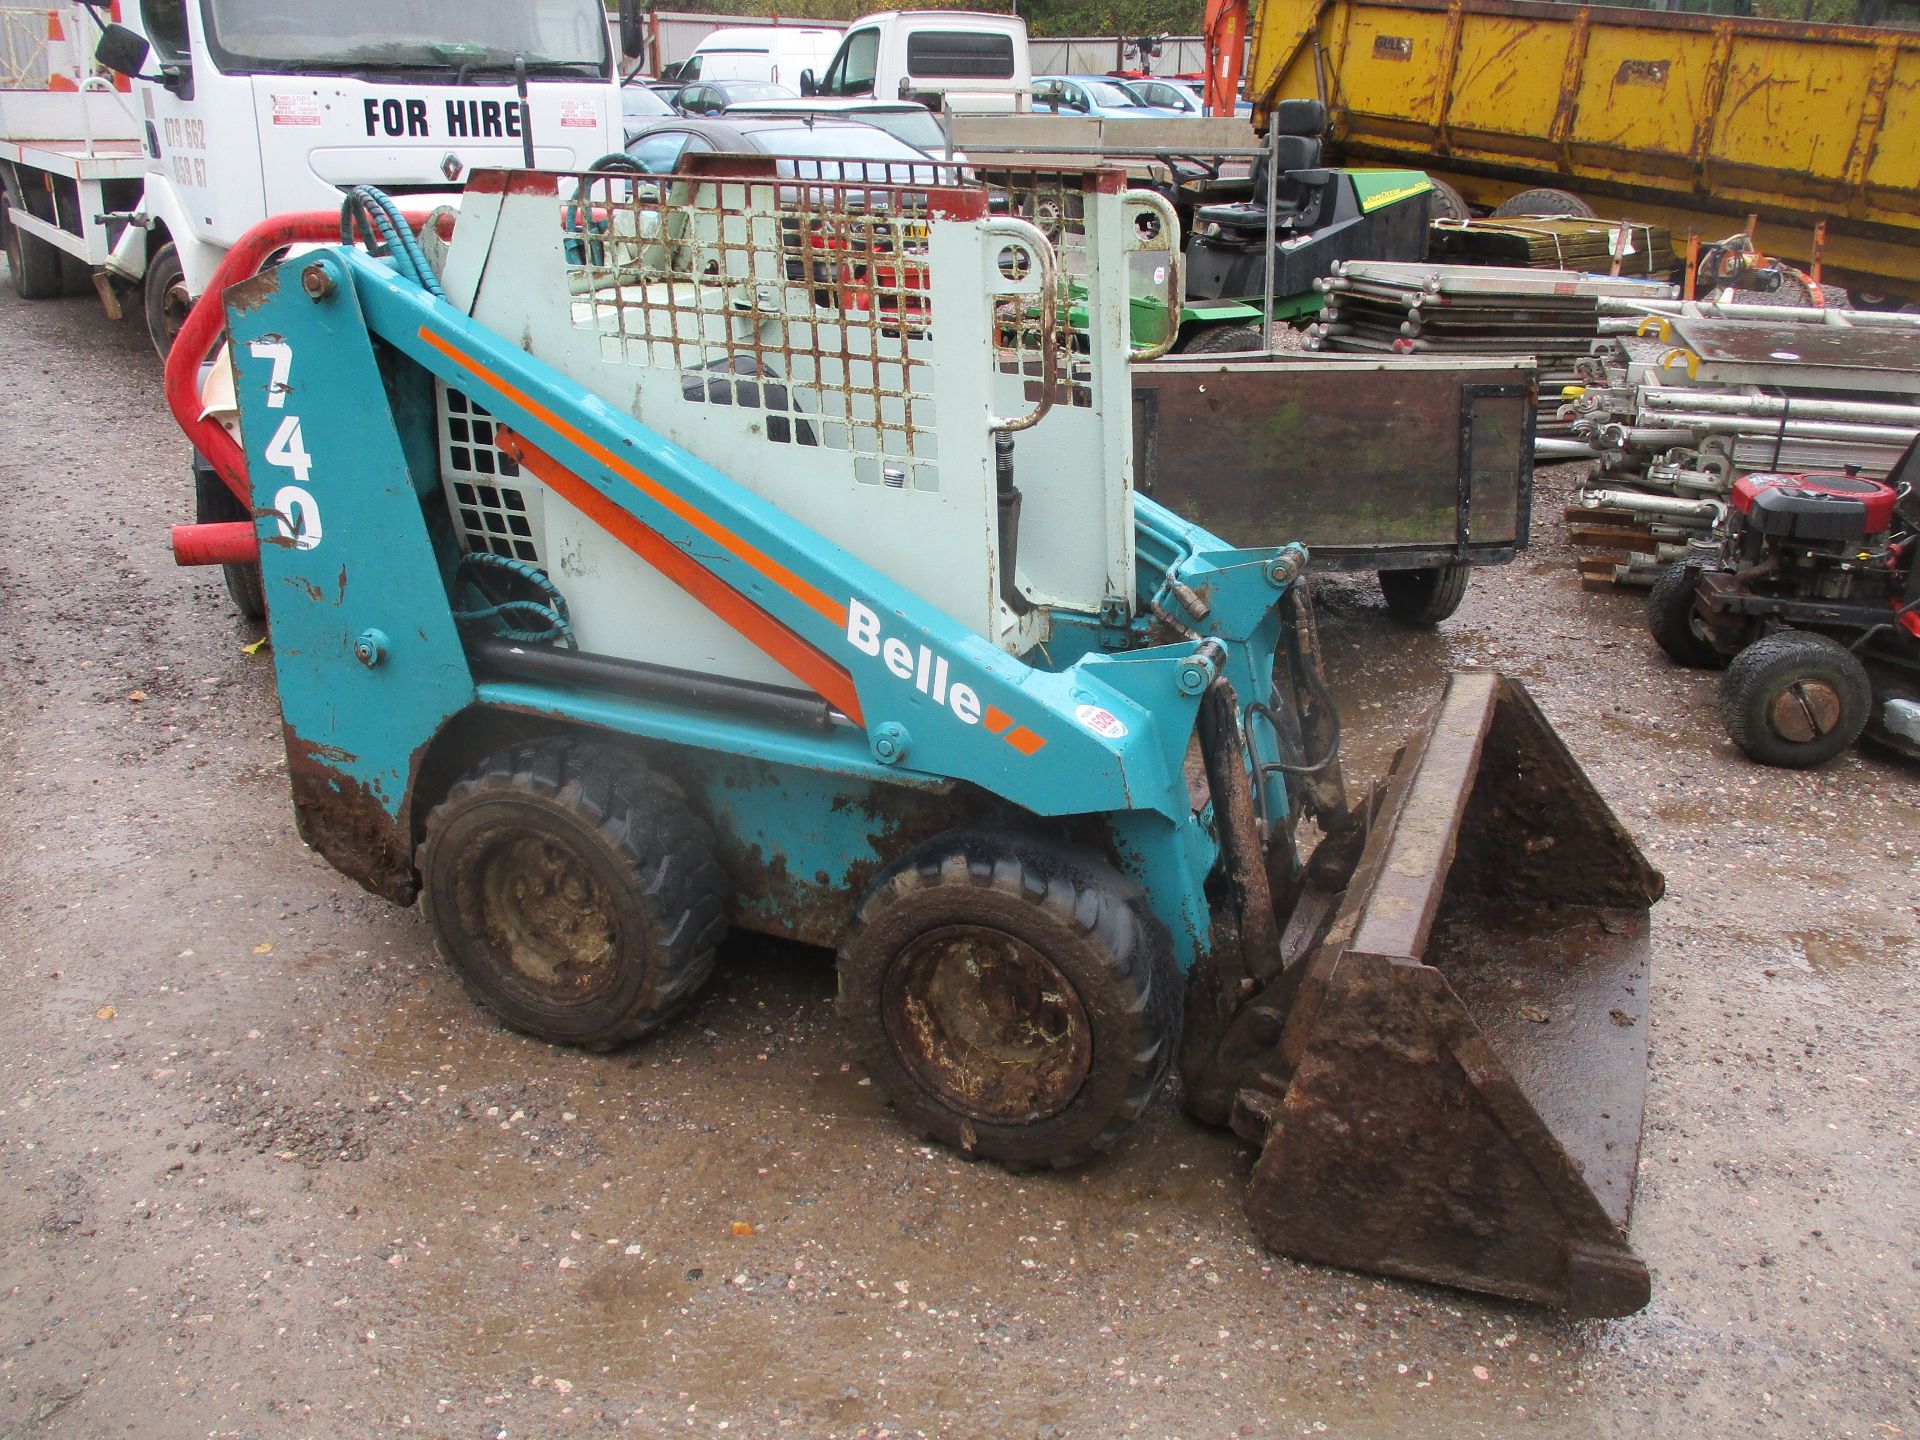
1795, 699
1221, 340
1425, 597
1543, 202
164, 293
1011, 998
214, 503
1674, 622
574, 891
35, 264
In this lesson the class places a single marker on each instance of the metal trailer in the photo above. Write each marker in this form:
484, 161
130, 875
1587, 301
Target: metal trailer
1687, 121
862, 636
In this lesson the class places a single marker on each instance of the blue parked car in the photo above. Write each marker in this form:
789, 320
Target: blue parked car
1182, 97
1098, 95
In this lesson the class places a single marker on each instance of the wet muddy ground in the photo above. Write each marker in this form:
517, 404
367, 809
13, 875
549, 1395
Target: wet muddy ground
265, 1171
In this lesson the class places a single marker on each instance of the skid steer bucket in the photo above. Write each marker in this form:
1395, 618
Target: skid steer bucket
1452, 1074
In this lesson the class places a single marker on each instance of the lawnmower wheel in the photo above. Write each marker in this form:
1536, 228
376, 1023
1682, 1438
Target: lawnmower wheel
1675, 624
1543, 202
1011, 998
1425, 597
1795, 699
1448, 203
214, 503
1221, 340
574, 891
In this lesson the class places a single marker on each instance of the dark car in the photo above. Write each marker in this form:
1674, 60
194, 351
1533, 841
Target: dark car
813, 149
710, 97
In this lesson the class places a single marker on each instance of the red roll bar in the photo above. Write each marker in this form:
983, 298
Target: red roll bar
222, 543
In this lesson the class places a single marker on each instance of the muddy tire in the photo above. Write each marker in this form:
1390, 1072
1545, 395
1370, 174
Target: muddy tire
574, 891
1010, 998
1448, 203
34, 263
1425, 597
1543, 202
1221, 340
214, 503
164, 294
1795, 699
1675, 624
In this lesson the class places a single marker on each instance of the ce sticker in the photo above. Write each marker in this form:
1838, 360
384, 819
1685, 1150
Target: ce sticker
298, 517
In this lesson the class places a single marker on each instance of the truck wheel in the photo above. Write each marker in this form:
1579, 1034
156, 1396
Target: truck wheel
214, 503
1011, 998
1221, 340
574, 891
164, 293
1448, 203
1795, 699
1428, 596
1543, 202
35, 264
1674, 623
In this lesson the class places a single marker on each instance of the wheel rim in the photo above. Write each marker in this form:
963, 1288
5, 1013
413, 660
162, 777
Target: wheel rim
988, 1024
541, 906
1804, 711
175, 305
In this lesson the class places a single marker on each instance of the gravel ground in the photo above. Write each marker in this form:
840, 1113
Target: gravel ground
265, 1171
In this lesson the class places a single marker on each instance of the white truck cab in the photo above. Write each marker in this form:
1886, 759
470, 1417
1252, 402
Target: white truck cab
964, 59
230, 111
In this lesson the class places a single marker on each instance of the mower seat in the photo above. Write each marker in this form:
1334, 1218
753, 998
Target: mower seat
1300, 117
1294, 195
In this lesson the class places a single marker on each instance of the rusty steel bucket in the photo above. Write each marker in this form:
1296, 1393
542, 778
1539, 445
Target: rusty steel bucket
1447, 1079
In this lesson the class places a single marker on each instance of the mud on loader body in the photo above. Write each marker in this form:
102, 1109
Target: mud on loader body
755, 548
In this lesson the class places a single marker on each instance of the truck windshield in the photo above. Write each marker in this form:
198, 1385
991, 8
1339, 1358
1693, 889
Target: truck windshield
553, 37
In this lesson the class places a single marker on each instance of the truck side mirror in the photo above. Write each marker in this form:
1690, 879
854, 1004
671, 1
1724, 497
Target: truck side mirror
809, 87
123, 51
633, 32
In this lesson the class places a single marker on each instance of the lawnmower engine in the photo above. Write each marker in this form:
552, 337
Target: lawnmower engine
1828, 537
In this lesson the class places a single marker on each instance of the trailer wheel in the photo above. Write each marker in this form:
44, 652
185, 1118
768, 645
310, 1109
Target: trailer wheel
1448, 203
1011, 998
574, 891
1675, 624
214, 503
1428, 596
1221, 340
35, 264
1543, 202
164, 293
1795, 699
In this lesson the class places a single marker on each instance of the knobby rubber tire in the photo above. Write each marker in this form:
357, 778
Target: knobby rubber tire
632, 833
1448, 203
214, 503
1427, 596
1673, 623
1765, 669
1088, 921
1543, 202
1221, 340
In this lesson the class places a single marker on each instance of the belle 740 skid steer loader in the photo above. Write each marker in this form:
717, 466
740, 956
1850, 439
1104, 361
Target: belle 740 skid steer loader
759, 549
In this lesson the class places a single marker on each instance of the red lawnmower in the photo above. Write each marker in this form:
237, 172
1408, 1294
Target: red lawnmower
1812, 601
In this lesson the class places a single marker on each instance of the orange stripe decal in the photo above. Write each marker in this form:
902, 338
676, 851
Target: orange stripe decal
1025, 741
996, 719
826, 679
808, 594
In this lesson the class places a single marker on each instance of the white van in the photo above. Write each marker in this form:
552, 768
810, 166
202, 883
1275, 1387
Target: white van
970, 60
774, 53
